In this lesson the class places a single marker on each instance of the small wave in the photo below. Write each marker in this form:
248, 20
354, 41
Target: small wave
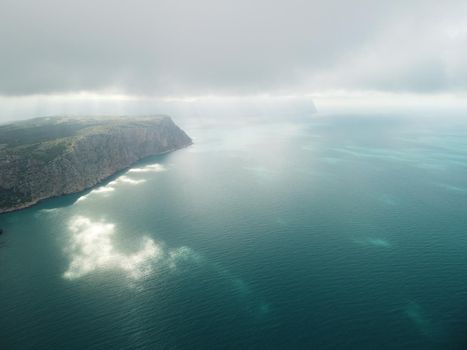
153, 168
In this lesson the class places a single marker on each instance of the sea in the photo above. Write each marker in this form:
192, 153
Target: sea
329, 231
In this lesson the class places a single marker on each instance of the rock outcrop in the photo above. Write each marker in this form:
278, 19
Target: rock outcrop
48, 157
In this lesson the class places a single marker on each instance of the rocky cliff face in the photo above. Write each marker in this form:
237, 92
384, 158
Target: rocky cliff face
61, 156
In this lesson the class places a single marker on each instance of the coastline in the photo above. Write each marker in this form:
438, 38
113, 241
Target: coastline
100, 181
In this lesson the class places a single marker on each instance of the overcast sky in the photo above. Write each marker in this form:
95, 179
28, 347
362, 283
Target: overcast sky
238, 47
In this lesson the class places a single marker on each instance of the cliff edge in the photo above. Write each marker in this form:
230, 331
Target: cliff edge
47, 157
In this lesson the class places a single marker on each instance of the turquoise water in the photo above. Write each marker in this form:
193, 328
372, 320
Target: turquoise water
340, 232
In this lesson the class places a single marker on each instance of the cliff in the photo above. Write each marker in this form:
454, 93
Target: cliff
47, 157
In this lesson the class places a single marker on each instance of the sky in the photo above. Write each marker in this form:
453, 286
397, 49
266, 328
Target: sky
63, 50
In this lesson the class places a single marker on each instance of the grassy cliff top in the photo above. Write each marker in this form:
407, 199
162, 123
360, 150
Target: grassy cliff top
49, 136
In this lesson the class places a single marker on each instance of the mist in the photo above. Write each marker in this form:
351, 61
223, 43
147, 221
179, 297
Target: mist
183, 50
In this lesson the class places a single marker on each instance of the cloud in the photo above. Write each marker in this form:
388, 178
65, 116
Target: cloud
174, 48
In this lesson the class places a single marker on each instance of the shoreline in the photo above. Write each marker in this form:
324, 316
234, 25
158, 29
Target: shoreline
38, 201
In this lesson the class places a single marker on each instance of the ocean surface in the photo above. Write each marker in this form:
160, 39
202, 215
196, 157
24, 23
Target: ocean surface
328, 232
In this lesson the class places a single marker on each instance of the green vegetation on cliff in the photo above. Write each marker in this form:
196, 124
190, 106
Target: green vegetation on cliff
46, 157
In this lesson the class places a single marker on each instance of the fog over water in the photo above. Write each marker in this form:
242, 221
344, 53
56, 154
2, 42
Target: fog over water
184, 59
210, 47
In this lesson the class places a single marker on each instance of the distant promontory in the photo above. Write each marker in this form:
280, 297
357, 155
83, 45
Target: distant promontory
47, 157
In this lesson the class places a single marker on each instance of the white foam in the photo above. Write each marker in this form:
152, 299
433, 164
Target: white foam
153, 168
100, 190
129, 180
82, 198
50, 210
124, 179
110, 187
103, 189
